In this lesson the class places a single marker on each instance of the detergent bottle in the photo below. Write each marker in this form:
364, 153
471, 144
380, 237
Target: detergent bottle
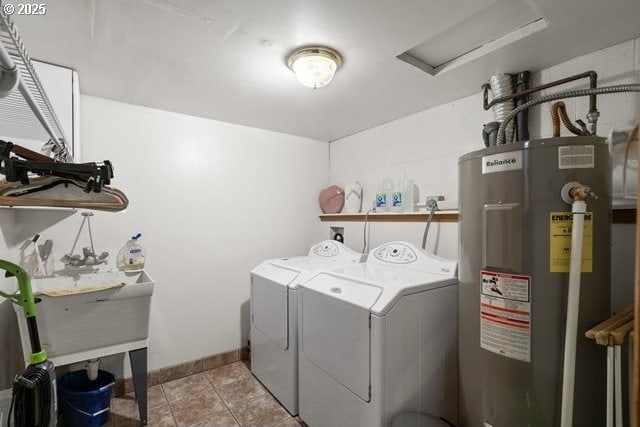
398, 196
132, 255
384, 196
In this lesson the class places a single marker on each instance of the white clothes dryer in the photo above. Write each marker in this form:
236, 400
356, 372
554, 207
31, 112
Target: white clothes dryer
379, 339
274, 318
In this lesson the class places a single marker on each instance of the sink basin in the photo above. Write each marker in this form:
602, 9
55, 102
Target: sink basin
90, 315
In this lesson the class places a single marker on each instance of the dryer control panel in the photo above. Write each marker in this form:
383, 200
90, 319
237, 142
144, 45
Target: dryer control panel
334, 250
405, 255
326, 249
395, 253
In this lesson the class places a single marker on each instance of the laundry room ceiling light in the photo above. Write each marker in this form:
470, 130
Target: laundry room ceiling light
314, 66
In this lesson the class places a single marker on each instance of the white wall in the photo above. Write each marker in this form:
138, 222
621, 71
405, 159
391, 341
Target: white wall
212, 200
426, 146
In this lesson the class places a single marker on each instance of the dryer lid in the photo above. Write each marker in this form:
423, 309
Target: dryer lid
275, 272
390, 284
293, 271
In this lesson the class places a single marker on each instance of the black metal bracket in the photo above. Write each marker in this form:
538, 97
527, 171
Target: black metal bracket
93, 175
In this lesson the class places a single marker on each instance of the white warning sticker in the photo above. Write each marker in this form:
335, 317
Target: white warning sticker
576, 157
505, 314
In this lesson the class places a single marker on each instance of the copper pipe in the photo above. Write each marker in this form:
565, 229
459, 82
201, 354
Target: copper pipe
559, 112
593, 82
567, 121
555, 119
581, 193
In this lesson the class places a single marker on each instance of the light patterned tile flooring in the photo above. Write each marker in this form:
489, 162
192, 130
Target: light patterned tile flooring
228, 396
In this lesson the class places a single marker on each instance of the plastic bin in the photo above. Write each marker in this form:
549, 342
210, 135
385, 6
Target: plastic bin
85, 403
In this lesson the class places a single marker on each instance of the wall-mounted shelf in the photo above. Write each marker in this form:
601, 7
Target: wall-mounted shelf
623, 216
40, 208
442, 216
618, 216
26, 111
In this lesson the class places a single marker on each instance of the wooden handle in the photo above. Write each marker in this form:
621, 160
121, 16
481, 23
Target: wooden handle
620, 333
27, 154
601, 331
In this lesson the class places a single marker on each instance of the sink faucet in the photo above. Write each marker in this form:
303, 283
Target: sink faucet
88, 257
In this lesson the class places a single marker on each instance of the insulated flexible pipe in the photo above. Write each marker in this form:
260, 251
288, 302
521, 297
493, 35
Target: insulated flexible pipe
555, 117
562, 95
559, 112
426, 229
578, 209
502, 85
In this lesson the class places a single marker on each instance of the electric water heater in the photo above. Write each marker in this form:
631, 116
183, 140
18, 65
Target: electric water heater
515, 246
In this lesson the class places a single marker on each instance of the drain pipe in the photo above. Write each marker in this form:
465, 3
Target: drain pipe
92, 367
578, 193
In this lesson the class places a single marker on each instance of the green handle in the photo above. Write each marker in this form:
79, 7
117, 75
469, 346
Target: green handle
25, 298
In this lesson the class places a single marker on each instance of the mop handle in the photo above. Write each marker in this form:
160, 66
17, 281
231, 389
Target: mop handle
26, 300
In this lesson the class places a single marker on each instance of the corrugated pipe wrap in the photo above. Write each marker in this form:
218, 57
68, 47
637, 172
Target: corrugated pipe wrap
502, 136
502, 85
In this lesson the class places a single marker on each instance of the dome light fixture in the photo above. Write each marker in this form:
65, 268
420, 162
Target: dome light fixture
314, 66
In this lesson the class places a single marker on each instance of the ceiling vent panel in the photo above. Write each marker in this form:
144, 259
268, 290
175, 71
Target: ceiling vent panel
492, 28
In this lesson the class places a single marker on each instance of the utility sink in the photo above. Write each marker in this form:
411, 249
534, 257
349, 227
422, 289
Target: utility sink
84, 316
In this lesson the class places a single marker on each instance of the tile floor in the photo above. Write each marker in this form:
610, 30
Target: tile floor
228, 396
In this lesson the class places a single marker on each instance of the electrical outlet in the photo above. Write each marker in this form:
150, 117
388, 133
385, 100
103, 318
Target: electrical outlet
337, 234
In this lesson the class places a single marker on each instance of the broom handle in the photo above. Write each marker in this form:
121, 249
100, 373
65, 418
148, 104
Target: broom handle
636, 341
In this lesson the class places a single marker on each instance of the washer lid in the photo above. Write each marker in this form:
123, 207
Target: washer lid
374, 286
358, 293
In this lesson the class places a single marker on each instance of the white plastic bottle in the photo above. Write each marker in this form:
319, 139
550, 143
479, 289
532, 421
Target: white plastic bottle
398, 196
409, 195
352, 197
132, 255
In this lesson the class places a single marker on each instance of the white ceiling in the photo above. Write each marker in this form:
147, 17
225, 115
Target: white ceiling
225, 59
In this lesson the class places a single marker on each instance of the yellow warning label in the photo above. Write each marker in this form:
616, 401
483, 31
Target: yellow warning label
560, 224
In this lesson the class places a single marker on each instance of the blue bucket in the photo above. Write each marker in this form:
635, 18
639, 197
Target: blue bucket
85, 403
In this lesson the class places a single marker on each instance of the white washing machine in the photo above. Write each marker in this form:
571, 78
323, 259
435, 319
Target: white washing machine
378, 339
274, 317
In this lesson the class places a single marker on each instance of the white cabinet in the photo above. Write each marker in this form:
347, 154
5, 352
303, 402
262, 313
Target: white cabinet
61, 87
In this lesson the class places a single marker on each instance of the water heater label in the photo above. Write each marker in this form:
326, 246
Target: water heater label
576, 157
560, 242
502, 162
505, 314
